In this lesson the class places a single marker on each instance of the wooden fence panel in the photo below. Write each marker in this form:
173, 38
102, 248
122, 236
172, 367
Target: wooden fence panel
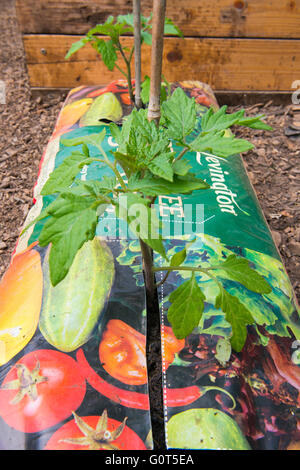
205, 18
226, 64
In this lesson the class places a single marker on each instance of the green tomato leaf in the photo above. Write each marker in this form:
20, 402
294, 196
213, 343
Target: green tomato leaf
107, 51
162, 167
73, 221
219, 120
179, 113
254, 123
76, 46
179, 257
63, 176
181, 167
219, 144
145, 90
111, 29
239, 270
153, 186
146, 38
126, 19
170, 29
115, 132
237, 315
187, 305
92, 139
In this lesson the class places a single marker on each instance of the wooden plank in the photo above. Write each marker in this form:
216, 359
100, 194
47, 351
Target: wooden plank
218, 18
226, 64
231, 98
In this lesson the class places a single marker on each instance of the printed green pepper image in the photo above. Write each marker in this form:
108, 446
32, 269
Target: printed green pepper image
71, 309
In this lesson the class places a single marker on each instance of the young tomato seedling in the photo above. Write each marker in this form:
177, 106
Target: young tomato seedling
150, 161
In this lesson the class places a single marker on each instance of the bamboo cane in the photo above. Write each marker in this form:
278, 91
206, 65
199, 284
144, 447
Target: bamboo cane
159, 8
137, 51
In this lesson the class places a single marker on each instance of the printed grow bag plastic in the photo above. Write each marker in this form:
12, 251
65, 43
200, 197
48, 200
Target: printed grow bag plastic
57, 340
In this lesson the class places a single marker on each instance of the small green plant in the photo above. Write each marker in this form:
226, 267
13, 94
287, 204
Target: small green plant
143, 167
110, 49
148, 162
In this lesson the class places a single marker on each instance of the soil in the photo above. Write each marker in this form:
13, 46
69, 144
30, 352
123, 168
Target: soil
27, 123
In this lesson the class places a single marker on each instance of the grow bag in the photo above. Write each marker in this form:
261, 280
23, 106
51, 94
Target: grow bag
60, 347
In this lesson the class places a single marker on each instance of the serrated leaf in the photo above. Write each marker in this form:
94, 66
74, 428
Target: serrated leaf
187, 305
107, 51
126, 19
73, 221
100, 187
219, 144
76, 46
80, 229
181, 167
153, 186
219, 120
91, 139
179, 113
214, 121
63, 176
237, 315
179, 257
146, 37
239, 270
115, 131
254, 123
162, 167
171, 29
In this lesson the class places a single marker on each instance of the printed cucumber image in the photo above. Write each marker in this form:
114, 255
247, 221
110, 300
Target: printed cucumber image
71, 309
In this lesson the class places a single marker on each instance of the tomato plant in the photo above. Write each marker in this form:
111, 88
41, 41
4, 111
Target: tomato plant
95, 433
41, 389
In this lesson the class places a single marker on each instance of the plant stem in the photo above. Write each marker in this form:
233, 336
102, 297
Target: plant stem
113, 168
206, 271
159, 7
137, 51
148, 269
128, 75
182, 153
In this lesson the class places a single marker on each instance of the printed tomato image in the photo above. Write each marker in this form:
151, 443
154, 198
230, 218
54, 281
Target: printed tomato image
171, 345
122, 353
21, 290
42, 389
95, 433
